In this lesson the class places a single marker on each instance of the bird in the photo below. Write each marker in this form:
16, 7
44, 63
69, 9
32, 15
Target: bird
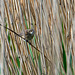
29, 33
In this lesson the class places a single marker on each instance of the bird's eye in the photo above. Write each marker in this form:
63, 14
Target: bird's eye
31, 32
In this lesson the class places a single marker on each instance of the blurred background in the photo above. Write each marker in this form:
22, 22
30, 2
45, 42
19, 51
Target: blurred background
54, 39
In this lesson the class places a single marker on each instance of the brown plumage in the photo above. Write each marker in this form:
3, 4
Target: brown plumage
29, 34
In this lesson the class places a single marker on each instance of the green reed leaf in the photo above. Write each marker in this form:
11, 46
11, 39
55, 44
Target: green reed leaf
18, 62
64, 58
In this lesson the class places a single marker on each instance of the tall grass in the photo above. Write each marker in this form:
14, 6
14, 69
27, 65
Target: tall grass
50, 52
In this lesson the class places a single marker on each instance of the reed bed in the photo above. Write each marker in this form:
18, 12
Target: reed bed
51, 51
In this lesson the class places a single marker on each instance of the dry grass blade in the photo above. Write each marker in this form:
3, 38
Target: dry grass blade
51, 51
